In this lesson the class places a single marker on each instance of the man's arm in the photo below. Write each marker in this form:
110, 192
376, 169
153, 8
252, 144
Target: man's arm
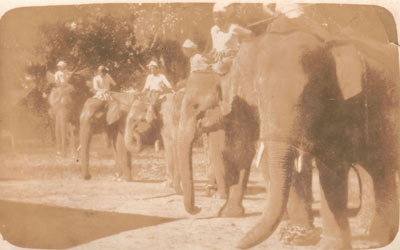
242, 32
147, 84
96, 83
166, 82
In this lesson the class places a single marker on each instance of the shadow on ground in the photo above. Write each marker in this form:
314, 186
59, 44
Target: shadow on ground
41, 226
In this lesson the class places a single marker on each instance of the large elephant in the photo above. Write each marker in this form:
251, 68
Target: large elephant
99, 116
292, 90
65, 105
144, 121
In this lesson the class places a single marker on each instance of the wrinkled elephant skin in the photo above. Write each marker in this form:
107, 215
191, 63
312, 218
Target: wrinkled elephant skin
285, 91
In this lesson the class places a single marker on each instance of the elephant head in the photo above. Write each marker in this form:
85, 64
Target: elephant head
201, 94
139, 121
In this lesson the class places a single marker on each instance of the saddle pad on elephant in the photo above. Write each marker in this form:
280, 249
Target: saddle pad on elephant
121, 102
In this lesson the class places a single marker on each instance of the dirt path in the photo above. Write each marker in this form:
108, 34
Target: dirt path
45, 204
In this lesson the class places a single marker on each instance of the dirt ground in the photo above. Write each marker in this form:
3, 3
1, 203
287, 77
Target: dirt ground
44, 204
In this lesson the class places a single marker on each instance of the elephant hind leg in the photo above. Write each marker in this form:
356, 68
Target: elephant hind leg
333, 186
385, 223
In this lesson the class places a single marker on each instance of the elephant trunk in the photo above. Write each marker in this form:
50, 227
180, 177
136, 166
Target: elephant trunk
185, 138
130, 136
280, 160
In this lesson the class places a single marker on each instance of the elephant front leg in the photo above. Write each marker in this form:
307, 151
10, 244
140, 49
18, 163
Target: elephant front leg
236, 177
63, 128
216, 147
333, 186
233, 206
72, 135
112, 138
300, 229
58, 134
124, 158
84, 141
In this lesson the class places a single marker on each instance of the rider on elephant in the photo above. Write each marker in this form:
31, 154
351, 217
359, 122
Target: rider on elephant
61, 80
226, 38
155, 83
62, 76
101, 84
197, 61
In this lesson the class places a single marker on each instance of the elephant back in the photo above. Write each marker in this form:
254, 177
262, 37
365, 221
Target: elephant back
60, 96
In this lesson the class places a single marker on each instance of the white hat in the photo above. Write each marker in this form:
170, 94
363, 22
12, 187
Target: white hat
189, 44
152, 63
61, 63
221, 6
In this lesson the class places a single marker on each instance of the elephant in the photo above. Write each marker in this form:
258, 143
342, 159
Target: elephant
99, 116
162, 120
65, 105
296, 91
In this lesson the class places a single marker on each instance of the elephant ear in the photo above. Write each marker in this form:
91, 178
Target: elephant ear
114, 113
349, 70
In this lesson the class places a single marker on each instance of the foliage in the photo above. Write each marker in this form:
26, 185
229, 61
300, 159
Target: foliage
96, 40
125, 37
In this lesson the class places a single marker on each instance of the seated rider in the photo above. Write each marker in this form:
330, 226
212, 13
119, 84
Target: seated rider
62, 76
101, 84
156, 83
225, 38
62, 86
197, 61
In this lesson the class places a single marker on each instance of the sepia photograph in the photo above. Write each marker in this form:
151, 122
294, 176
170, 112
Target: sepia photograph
199, 125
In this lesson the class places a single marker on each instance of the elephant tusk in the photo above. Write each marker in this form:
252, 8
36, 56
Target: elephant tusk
260, 151
299, 163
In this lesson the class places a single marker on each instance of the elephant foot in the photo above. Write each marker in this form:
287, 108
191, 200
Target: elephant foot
231, 211
291, 234
210, 190
87, 176
333, 243
194, 210
380, 232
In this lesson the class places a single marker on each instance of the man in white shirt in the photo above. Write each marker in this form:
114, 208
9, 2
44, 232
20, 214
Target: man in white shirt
197, 61
155, 82
225, 38
62, 87
61, 76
